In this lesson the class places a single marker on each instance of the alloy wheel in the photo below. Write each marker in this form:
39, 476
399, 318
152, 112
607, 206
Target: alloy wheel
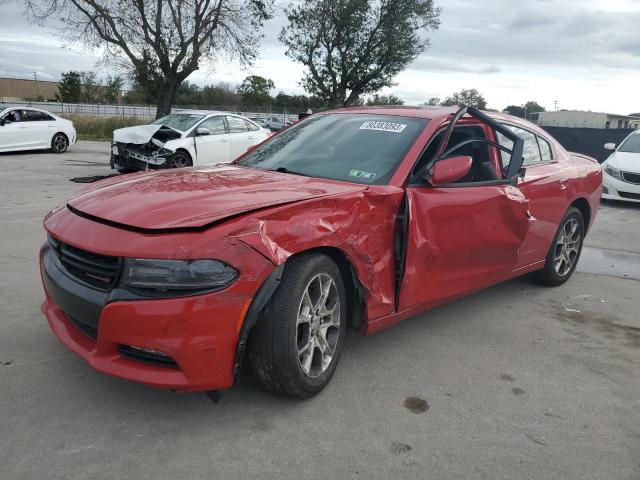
179, 160
59, 143
567, 247
318, 325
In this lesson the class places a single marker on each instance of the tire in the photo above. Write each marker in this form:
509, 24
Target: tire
294, 351
59, 143
563, 256
180, 159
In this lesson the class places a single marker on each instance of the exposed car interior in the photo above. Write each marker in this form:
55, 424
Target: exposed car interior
482, 169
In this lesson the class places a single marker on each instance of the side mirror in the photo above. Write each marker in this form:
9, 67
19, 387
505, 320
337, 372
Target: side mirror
610, 146
202, 131
2, 122
450, 170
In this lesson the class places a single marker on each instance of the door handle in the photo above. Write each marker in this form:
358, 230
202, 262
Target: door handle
223, 140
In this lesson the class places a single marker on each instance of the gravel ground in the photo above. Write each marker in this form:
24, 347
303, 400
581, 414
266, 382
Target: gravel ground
518, 381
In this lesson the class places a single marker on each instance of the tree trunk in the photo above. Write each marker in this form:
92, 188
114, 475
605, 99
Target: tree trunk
166, 98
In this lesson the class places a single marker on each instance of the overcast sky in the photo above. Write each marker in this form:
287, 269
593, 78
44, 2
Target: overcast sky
585, 54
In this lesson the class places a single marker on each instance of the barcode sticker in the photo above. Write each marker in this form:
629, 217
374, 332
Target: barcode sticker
384, 126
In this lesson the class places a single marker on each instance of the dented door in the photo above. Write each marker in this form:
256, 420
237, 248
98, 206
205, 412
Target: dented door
459, 240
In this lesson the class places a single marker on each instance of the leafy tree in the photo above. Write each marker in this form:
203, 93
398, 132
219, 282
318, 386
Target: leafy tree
533, 107
354, 47
163, 41
470, 98
434, 102
221, 94
70, 87
112, 89
384, 100
90, 87
255, 89
515, 110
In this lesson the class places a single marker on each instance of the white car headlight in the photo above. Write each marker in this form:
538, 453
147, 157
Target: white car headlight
613, 172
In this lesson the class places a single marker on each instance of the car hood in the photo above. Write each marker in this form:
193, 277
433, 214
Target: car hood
629, 162
194, 198
138, 135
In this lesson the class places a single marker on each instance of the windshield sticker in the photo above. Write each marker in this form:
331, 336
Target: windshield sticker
384, 126
361, 174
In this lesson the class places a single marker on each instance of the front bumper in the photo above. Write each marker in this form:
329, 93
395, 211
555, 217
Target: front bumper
198, 334
124, 158
614, 189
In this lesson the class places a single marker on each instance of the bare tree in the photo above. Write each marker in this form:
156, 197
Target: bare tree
164, 41
355, 47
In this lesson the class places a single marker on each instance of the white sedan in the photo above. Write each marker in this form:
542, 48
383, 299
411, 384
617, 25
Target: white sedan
184, 139
23, 128
621, 180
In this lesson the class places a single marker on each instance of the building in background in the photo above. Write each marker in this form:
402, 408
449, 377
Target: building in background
580, 119
17, 89
21, 90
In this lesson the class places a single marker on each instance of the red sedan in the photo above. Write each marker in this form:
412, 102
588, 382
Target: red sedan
357, 218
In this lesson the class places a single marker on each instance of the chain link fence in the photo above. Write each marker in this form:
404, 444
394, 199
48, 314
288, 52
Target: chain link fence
148, 112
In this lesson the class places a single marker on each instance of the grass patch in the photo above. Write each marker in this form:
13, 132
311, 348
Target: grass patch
101, 128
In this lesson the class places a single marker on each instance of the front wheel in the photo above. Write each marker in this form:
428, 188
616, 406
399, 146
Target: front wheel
565, 250
59, 143
180, 159
295, 346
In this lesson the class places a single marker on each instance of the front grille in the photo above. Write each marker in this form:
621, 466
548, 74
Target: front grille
146, 356
630, 177
99, 271
84, 328
632, 196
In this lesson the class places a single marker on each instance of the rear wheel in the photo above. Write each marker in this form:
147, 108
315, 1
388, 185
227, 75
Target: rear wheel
565, 250
297, 342
180, 159
59, 143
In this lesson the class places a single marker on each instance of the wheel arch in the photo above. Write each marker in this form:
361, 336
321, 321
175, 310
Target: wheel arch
60, 132
354, 290
585, 210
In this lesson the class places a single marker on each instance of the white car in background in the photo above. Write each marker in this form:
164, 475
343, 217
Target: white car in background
184, 139
275, 123
23, 128
621, 179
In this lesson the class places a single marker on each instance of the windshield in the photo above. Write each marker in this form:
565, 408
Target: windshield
631, 144
179, 121
356, 148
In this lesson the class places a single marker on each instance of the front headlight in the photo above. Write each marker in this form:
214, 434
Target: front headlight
177, 275
613, 172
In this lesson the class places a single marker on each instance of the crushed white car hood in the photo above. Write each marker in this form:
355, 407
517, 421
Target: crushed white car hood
629, 162
137, 135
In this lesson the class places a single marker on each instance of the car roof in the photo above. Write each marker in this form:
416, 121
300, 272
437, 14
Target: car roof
197, 112
27, 108
402, 111
431, 113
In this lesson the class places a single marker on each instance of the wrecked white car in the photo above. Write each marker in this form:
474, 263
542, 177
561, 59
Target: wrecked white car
184, 139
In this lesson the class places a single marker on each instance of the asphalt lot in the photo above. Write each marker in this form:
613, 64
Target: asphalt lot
519, 381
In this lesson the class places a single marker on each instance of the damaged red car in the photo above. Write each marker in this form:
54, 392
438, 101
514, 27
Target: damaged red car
357, 218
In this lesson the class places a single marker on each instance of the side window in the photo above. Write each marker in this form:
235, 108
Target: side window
251, 126
545, 150
531, 153
214, 124
35, 116
505, 157
237, 125
14, 116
